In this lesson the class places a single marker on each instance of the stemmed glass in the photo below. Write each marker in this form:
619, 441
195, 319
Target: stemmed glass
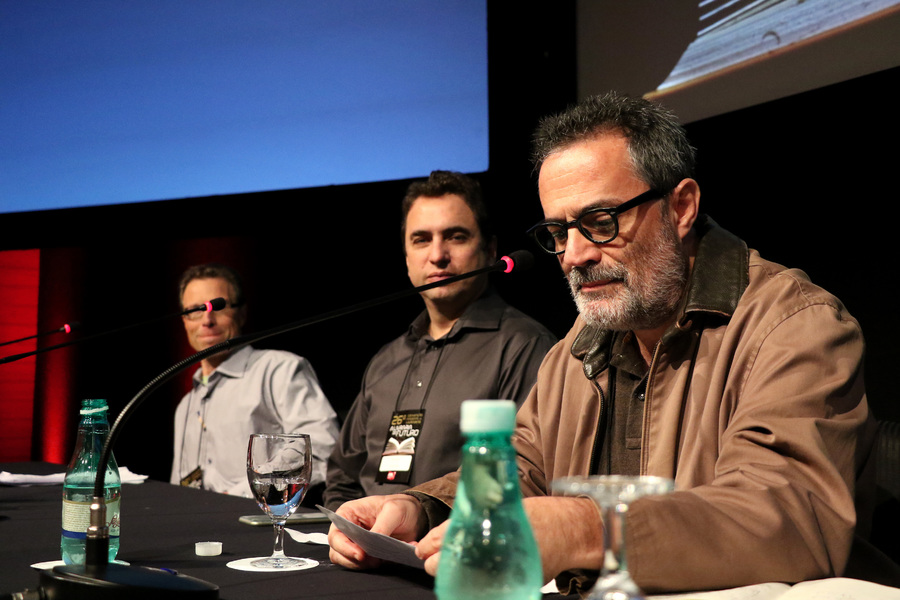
613, 493
278, 467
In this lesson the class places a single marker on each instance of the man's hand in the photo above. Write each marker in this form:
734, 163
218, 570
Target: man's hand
399, 516
429, 547
569, 534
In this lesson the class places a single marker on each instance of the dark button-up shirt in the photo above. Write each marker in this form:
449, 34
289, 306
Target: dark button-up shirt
492, 352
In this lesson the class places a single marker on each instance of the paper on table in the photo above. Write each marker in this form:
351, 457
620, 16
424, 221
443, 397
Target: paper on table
388, 548
376, 544
7, 478
832, 588
307, 538
759, 591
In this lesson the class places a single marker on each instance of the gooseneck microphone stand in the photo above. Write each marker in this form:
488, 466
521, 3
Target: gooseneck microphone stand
66, 328
97, 579
215, 304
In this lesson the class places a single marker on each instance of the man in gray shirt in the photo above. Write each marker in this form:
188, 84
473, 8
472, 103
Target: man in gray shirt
403, 427
235, 394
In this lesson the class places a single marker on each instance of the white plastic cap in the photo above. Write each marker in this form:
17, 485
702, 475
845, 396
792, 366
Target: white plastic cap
208, 548
482, 416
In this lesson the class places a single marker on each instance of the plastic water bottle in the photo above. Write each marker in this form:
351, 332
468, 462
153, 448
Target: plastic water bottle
78, 486
489, 549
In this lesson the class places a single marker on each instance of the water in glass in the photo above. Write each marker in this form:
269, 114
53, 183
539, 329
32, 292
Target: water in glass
278, 469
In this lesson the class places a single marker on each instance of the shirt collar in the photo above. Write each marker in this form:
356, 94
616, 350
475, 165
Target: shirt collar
485, 313
233, 366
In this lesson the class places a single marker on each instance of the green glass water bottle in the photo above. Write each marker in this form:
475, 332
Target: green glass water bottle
489, 549
78, 486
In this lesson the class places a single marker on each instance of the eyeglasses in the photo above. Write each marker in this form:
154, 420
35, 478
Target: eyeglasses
599, 225
198, 314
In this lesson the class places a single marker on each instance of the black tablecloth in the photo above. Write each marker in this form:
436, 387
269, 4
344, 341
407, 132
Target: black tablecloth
161, 523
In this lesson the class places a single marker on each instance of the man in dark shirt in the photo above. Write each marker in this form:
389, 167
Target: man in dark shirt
403, 428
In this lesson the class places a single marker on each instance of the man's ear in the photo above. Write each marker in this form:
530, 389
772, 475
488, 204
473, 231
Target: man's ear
684, 203
492, 250
241, 316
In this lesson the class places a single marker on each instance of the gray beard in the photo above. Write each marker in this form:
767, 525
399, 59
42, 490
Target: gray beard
650, 290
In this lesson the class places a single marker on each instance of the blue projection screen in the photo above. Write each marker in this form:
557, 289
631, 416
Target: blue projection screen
110, 102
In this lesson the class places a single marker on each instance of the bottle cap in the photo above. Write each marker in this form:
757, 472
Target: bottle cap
208, 548
482, 416
93, 406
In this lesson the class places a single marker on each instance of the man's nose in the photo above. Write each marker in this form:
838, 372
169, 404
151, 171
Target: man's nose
580, 251
439, 254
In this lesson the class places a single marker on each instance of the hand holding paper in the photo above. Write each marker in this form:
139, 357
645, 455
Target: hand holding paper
376, 544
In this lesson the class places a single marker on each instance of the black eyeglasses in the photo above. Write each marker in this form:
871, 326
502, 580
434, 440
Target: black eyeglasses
599, 225
197, 315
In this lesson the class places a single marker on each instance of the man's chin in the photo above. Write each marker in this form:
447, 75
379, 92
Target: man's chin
448, 291
600, 312
444, 291
595, 303
207, 344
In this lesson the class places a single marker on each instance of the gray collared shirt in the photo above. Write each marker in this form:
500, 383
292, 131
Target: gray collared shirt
252, 391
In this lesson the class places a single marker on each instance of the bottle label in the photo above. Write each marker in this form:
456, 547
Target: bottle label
76, 517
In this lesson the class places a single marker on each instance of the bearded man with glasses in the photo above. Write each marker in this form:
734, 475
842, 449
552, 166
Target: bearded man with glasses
693, 358
235, 394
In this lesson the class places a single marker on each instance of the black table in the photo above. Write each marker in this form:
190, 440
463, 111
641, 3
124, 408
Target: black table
161, 523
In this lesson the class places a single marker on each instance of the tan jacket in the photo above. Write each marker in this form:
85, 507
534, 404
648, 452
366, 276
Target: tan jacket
755, 405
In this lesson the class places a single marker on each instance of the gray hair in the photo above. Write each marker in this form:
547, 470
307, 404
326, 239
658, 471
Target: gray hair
213, 271
660, 152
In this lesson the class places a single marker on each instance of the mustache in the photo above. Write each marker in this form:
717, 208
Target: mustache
578, 276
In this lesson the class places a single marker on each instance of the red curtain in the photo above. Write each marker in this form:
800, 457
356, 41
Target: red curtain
19, 271
55, 409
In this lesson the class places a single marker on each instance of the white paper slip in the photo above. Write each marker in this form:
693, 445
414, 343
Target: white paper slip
376, 544
24, 479
307, 538
833, 588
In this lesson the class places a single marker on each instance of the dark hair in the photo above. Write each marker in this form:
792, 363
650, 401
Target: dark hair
213, 271
440, 183
657, 143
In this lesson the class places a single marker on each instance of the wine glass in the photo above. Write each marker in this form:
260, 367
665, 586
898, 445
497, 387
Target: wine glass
278, 467
613, 493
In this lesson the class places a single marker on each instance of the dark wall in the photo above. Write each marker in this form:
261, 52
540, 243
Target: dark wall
807, 181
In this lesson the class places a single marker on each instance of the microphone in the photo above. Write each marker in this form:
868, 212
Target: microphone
67, 328
520, 260
212, 305
515, 261
140, 582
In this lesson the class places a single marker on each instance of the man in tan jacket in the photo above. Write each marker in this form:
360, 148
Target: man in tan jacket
692, 358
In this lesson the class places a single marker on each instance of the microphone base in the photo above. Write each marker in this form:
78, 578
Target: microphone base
120, 581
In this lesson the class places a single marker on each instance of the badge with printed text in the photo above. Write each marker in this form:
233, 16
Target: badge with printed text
194, 479
400, 448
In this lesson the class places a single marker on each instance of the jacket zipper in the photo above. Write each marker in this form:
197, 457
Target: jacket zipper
594, 468
645, 420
